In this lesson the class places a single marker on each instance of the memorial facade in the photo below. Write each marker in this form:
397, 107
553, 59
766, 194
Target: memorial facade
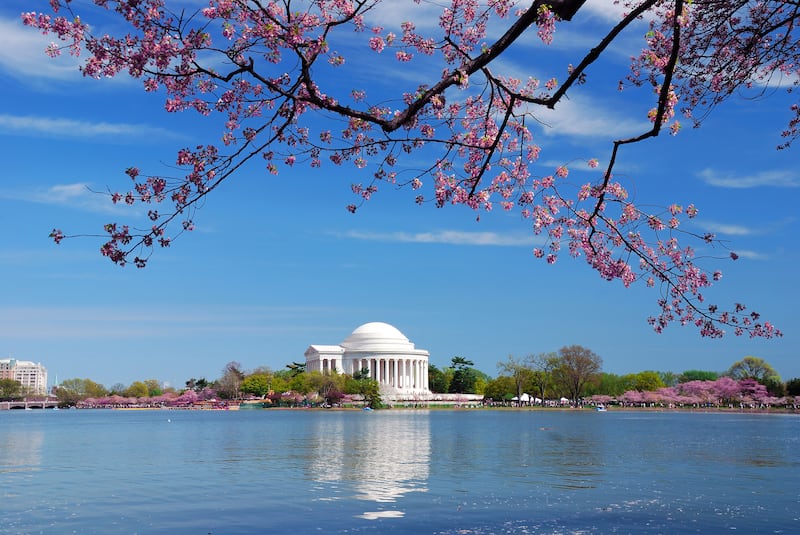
383, 352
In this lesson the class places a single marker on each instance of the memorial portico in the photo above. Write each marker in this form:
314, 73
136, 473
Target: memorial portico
387, 355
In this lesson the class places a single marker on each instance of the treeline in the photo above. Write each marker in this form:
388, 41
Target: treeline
290, 387
574, 373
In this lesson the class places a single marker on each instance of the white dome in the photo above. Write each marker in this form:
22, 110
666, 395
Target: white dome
377, 336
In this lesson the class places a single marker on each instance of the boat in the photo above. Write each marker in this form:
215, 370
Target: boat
601, 408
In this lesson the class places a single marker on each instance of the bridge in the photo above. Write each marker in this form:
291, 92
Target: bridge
25, 405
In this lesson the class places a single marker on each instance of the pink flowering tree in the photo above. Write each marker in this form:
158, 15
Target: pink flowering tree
727, 389
272, 72
631, 397
601, 399
189, 397
667, 394
753, 391
703, 391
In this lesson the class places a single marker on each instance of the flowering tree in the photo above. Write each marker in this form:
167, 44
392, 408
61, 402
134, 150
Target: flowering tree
631, 397
188, 397
272, 72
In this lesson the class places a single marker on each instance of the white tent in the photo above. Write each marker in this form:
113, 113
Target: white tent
527, 398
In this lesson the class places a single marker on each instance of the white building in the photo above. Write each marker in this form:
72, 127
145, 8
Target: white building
390, 358
33, 376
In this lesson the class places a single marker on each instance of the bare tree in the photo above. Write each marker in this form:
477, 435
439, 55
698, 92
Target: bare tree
519, 369
577, 366
229, 384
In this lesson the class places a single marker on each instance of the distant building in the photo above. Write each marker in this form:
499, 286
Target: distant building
387, 355
33, 376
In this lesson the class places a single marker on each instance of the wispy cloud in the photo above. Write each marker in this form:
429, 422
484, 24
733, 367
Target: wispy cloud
763, 227
78, 195
82, 322
392, 14
728, 229
579, 115
30, 125
22, 54
452, 237
582, 117
609, 10
751, 255
778, 179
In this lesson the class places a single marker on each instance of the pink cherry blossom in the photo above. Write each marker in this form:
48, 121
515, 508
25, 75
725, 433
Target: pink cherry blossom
462, 137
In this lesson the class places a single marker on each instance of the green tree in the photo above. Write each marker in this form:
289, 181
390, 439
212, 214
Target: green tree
279, 383
697, 375
520, 370
481, 380
577, 366
198, 385
329, 386
464, 376
438, 380
793, 387
10, 390
753, 368
137, 389
296, 367
669, 378
153, 387
775, 386
647, 381
542, 377
368, 388
71, 391
610, 384
501, 388
257, 384
301, 382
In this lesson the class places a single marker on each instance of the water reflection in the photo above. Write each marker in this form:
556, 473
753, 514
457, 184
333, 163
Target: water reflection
379, 456
22, 451
569, 455
574, 460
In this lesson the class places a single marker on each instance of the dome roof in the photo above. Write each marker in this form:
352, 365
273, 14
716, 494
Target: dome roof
377, 336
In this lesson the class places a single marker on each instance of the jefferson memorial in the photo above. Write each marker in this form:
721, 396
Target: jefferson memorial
390, 358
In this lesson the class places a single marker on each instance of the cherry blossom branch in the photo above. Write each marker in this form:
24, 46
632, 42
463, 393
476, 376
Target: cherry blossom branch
274, 55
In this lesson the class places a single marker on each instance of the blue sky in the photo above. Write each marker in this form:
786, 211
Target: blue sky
276, 262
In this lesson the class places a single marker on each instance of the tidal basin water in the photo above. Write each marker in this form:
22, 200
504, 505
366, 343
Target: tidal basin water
402, 471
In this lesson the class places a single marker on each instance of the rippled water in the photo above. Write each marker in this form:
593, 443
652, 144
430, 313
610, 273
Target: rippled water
438, 472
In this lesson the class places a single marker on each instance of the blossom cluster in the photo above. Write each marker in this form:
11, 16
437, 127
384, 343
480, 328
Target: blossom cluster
720, 392
264, 69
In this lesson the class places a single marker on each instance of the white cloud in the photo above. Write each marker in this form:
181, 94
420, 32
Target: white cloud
69, 128
751, 255
578, 114
452, 237
776, 79
583, 117
22, 54
390, 15
728, 229
780, 179
77, 195
608, 10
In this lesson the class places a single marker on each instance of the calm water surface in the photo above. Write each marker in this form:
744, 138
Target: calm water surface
438, 472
